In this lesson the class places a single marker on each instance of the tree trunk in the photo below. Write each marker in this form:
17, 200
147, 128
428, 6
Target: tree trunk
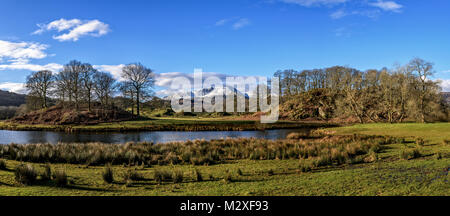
137, 103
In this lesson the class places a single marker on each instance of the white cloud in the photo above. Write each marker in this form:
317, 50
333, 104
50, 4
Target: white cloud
114, 70
338, 14
445, 85
59, 25
76, 29
310, 3
21, 51
14, 87
222, 22
241, 23
387, 5
18, 56
31, 67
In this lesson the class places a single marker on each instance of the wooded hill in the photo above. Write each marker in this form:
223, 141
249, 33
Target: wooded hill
11, 99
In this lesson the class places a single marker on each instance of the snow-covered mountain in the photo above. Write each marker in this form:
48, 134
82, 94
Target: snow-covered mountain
225, 91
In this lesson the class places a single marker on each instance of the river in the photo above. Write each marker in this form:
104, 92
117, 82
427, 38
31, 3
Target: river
33, 137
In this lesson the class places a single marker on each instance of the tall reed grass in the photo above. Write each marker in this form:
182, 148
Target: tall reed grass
323, 150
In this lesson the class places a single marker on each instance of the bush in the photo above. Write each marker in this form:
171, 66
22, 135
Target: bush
2, 164
239, 172
25, 174
47, 174
108, 174
298, 135
305, 166
407, 154
228, 177
60, 178
177, 176
198, 176
420, 141
132, 175
162, 175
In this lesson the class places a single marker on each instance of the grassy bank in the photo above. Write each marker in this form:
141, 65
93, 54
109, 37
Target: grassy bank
167, 124
394, 169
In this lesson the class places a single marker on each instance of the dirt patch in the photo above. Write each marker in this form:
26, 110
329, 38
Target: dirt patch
64, 115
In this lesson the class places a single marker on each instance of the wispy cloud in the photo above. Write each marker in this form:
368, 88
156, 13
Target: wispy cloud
31, 67
338, 14
311, 3
387, 5
13, 87
21, 51
235, 23
222, 22
241, 23
75, 29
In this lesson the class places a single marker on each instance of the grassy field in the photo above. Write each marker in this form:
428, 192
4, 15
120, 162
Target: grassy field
389, 175
167, 124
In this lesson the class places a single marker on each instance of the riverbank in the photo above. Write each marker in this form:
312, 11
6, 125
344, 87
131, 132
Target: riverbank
399, 159
168, 124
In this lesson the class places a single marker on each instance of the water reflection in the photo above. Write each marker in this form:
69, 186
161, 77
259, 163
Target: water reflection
31, 137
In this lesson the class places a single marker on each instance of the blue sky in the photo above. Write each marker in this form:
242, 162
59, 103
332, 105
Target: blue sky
236, 37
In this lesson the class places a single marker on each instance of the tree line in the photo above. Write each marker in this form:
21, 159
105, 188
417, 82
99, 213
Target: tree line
80, 84
405, 92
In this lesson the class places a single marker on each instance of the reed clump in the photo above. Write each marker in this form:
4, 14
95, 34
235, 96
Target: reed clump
47, 174
25, 174
2, 164
108, 174
60, 177
408, 154
326, 150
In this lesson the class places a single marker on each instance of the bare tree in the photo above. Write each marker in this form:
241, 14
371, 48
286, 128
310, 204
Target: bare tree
87, 76
104, 87
423, 70
76, 80
39, 84
140, 78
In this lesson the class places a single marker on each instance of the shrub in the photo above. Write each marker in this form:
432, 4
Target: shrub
47, 174
372, 157
2, 164
108, 174
298, 135
239, 172
228, 178
420, 141
60, 178
162, 175
305, 168
132, 175
198, 176
25, 174
177, 176
407, 154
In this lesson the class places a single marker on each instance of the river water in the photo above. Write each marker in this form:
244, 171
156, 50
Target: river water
33, 137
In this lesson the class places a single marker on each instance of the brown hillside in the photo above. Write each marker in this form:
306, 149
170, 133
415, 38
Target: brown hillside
60, 115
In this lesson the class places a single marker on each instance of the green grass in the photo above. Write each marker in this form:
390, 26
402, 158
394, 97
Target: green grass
389, 175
